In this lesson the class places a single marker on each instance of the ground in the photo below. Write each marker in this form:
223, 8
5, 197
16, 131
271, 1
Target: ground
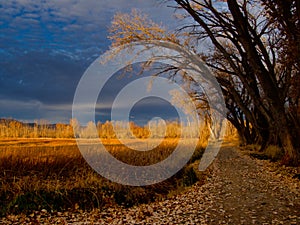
239, 190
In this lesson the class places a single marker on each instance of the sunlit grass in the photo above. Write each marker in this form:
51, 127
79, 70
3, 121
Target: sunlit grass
52, 174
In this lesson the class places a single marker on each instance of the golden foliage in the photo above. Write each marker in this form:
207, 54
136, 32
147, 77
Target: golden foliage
128, 28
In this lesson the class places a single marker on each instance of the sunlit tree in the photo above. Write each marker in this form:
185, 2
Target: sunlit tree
253, 50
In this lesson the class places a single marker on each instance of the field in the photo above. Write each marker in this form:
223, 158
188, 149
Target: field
51, 174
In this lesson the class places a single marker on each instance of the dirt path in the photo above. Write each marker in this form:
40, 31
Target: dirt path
240, 190
245, 191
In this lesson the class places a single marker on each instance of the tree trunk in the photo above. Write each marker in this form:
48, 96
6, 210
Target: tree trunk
290, 148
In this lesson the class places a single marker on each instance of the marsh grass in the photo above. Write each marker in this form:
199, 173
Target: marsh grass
51, 174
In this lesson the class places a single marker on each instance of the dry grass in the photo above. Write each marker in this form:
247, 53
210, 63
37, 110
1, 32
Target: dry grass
51, 174
28, 142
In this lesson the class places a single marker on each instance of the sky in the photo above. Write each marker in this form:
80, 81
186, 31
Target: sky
47, 45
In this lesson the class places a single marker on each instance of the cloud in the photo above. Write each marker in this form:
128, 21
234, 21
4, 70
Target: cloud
31, 24
35, 110
46, 45
93, 12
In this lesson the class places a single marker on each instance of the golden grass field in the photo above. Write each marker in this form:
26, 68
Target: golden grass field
51, 174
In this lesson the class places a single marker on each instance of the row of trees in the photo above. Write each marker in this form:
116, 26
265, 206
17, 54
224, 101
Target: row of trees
10, 128
42, 129
154, 129
253, 49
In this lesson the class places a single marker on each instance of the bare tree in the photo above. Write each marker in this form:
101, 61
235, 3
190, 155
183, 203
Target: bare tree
251, 56
250, 49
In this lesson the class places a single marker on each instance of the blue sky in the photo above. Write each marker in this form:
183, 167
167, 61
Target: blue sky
46, 45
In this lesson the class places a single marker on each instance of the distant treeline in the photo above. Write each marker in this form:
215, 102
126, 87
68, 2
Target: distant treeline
10, 128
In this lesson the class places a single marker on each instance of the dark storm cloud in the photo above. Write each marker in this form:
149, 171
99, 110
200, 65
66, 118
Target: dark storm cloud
45, 47
41, 76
